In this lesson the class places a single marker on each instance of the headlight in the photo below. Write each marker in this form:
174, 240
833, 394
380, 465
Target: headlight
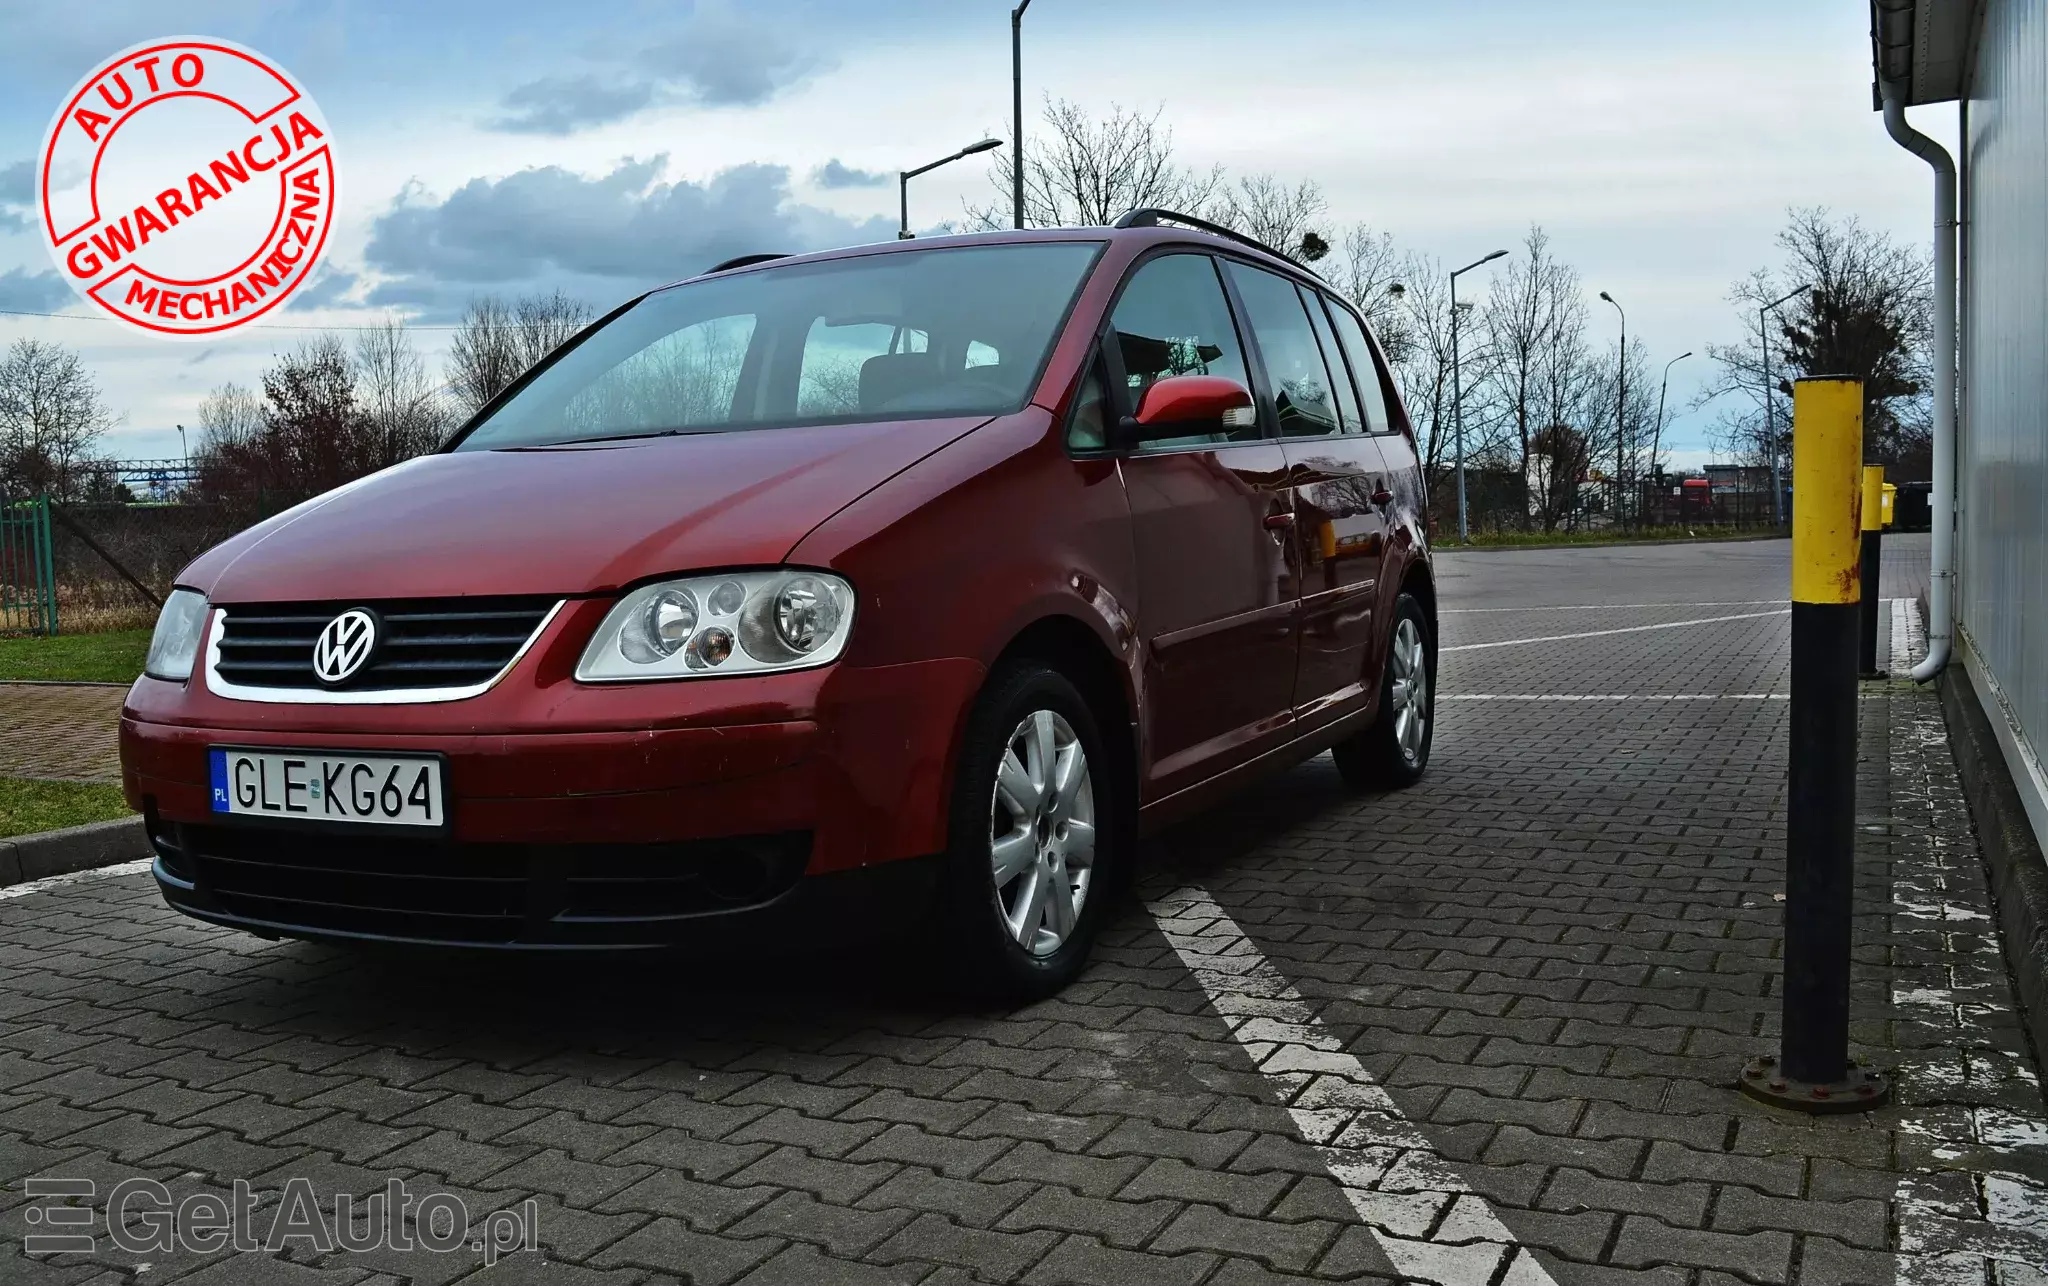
728, 623
175, 645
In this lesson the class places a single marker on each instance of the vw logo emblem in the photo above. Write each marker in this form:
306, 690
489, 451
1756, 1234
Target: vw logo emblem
344, 646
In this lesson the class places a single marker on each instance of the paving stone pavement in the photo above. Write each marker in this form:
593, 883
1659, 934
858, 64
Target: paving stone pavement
1537, 972
65, 732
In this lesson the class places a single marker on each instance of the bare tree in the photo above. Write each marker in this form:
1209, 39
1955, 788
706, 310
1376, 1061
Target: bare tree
1086, 171
1566, 397
1423, 368
1366, 265
1534, 328
327, 415
402, 402
313, 437
1867, 313
1287, 218
51, 418
1618, 431
483, 357
1558, 463
230, 416
1870, 314
543, 323
498, 341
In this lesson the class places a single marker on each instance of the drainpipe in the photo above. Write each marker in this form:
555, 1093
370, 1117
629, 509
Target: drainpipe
1941, 583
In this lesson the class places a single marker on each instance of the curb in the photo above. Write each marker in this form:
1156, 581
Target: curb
62, 683
75, 848
2019, 876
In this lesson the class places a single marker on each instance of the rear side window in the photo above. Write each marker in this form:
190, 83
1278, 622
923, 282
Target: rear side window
1295, 372
1352, 336
1173, 319
1340, 384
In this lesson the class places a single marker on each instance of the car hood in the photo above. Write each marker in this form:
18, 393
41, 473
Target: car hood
573, 519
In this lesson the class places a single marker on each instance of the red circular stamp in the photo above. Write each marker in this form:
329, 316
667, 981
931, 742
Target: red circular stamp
187, 186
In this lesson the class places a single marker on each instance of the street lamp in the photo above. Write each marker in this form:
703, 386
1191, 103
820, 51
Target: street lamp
1017, 108
1458, 391
1620, 406
1657, 434
903, 179
1771, 406
183, 449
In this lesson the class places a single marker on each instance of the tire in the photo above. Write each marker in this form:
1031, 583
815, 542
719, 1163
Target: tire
1393, 753
1013, 831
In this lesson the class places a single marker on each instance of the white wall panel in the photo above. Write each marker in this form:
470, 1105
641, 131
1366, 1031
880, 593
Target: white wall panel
2003, 464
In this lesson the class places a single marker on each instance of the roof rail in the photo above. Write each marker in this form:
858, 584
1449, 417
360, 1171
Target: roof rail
1152, 216
742, 261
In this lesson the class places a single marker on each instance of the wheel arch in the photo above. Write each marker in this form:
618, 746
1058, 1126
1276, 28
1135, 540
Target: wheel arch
1418, 583
1071, 647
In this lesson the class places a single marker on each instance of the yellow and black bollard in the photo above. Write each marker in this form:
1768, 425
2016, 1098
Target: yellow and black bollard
1812, 1072
1873, 559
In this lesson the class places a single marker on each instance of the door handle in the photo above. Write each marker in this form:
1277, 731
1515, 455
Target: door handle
1383, 497
1279, 522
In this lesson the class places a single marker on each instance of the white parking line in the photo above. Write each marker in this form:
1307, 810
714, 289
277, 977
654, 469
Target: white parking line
1426, 1218
74, 877
1611, 607
1625, 629
1621, 696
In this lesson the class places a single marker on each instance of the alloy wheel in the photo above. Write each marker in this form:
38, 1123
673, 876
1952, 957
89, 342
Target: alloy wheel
1411, 689
1042, 832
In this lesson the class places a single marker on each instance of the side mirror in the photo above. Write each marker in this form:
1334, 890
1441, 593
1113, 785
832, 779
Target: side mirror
1185, 405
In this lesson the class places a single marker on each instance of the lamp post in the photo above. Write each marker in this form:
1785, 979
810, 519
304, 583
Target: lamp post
1620, 406
1771, 405
1657, 434
1458, 391
183, 449
1017, 109
903, 180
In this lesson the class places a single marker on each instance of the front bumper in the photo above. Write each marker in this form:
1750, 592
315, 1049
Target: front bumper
668, 812
719, 894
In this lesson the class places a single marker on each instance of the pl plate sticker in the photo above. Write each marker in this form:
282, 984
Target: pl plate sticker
187, 186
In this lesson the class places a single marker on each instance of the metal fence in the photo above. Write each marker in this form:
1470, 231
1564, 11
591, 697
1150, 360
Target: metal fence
28, 572
1500, 501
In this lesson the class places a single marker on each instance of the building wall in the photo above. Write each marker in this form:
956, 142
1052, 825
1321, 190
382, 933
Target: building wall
2003, 459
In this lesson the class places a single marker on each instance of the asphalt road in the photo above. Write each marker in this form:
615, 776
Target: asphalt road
1480, 1033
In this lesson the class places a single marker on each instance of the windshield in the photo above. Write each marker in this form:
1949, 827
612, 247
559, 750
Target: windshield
958, 330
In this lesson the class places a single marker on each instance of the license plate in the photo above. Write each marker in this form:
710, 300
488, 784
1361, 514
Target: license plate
388, 790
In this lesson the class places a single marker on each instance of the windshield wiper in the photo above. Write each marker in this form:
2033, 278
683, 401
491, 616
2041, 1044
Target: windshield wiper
611, 437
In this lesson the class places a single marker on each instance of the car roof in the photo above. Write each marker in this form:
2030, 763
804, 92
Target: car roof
1153, 234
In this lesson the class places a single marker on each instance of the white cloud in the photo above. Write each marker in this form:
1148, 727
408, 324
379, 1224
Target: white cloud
604, 237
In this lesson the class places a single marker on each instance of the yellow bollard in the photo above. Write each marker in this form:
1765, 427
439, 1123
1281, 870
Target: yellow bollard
1872, 555
1827, 446
1813, 1072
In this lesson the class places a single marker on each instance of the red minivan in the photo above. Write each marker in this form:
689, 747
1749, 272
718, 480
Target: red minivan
817, 594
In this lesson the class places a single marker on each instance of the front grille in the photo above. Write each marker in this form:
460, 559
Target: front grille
444, 891
421, 642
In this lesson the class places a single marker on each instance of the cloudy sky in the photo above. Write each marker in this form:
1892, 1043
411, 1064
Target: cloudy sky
508, 145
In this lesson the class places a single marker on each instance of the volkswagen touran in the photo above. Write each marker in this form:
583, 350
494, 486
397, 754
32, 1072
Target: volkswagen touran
892, 588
